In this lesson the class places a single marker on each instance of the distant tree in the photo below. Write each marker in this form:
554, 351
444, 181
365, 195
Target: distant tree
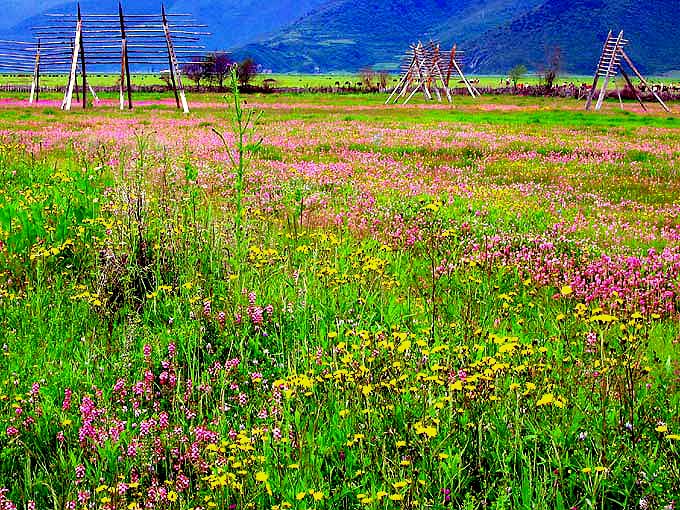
383, 78
367, 75
165, 77
270, 83
246, 71
552, 67
195, 70
517, 73
217, 66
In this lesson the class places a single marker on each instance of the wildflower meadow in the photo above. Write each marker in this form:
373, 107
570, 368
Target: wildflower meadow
321, 302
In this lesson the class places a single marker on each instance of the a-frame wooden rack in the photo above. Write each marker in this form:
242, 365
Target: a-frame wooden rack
112, 40
425, 69
23, 57
610, 64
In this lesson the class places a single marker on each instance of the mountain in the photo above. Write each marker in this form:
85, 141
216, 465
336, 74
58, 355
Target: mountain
579, 28
346, 35
496, 34
350, 34
15, 11
231, 22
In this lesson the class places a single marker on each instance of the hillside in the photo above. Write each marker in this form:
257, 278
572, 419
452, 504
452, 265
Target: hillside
346, 35
579, 28
16, 11
496, 34
232, 22
350, 34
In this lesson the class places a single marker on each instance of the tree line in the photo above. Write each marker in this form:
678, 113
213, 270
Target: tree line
214, 68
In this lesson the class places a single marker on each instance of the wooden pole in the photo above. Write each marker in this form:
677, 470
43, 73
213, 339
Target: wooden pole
125, 61
632, 87
410, 78
420, 62
95, 97
637, 73
473, 92
591, 94
173, 81
35, 86
121, 95
446, 87
452, 57
425, 78
437, 71
618, 93
68, 97
174, 68
407, 85
422, 84
82, 64
403, 79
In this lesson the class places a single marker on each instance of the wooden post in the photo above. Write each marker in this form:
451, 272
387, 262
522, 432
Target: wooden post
82, 63
420, 62
68, 96
95, 97
410, 78
407, 85
473, 92
401, 82
452, 58
632, 87
125, 62
618, 93
591, 95
446, 87
424, 77
637, 73
35, 86
121, 88
175, 73
437, 72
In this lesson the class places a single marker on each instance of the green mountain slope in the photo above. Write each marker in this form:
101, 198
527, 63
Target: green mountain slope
15, 11
579, 28
231, 22
350, 34
346, 35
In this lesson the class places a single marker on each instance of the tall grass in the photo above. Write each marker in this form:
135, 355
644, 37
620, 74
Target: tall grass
169, 342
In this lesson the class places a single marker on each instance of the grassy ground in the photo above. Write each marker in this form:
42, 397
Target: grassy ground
351, 306
291, 80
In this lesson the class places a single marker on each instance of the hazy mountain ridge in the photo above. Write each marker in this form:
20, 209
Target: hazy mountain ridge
350, 34
579, 28
496, 34
232, 22
346, 35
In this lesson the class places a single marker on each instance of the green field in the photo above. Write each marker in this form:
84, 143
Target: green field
296, 80
322, 302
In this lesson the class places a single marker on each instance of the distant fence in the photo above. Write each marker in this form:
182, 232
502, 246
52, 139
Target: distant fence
667, 93
670, 93
200, 90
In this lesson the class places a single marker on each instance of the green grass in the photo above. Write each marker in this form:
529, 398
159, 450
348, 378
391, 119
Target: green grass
293, 80
387, 307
